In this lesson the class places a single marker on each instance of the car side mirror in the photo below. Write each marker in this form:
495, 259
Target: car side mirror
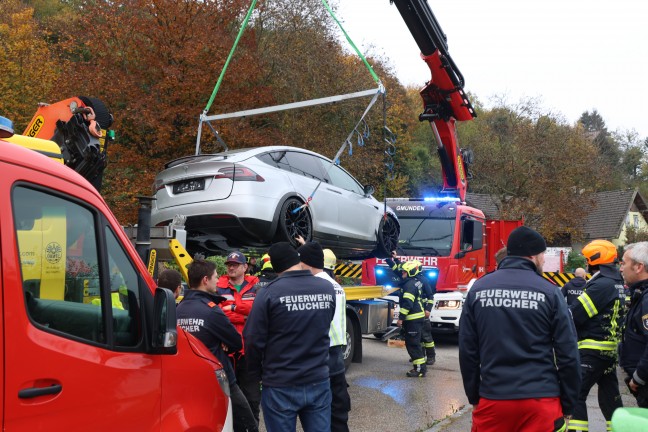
165, 332
368, 190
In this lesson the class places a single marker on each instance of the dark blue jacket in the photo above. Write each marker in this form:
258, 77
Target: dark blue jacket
287, 332
634, 348
265, 277
573, 289
598, 312
516, 338
427, 294
198, 313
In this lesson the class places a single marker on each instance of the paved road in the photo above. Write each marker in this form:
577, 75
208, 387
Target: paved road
384, 399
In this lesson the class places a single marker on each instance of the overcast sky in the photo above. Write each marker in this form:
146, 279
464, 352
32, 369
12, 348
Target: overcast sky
576, 55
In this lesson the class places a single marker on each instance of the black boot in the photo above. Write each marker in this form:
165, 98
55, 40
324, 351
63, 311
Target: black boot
431, 356
418, 371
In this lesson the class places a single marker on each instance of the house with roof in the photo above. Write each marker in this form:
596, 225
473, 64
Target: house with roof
611, 214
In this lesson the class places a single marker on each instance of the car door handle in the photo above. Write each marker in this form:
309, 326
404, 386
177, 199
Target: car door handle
336, 191
39, 391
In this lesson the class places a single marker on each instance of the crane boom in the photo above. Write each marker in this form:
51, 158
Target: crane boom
444, 100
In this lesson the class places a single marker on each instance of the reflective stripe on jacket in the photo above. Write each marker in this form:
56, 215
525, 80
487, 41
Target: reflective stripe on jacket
598, 311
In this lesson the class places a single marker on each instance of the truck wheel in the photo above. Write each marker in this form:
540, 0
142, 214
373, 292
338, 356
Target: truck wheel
387, 240
292, 224
350, 346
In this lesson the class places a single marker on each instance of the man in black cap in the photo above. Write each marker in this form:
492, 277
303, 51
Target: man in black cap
518, 351
287, 345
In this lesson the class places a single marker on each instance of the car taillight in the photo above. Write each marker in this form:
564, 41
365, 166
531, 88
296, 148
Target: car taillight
238, 173
157, 185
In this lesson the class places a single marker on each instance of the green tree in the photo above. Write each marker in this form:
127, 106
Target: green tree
609, 154
574, 261
634, 235
520, 158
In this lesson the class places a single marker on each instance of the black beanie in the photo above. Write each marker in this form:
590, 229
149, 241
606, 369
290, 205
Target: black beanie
283, 256
524, 241
312, 254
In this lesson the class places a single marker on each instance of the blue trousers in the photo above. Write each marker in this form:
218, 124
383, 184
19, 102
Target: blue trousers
311, 402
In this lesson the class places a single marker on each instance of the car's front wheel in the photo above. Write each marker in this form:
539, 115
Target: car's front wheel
387, 237
294, 220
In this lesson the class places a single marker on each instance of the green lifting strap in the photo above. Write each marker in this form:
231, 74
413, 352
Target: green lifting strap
240, 34
369, 68
229, 57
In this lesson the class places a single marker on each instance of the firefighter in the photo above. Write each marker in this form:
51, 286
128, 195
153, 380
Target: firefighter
598, 317
517, 346
426, 332
412, 316
199, 314
427, 299
634, 356
267, 273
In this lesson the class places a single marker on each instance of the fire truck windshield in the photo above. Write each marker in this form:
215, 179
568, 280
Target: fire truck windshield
420, 236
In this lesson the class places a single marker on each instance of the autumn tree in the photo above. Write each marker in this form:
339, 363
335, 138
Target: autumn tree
29, 69
305, 57
535, 164
155, 62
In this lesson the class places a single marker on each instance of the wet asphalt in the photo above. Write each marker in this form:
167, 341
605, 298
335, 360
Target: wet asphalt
384, 399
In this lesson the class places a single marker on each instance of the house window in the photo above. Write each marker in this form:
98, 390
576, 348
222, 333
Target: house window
636, 221
627, 221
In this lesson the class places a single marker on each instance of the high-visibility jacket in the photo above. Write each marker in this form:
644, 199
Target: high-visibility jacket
337, 333
411, 305
598, 312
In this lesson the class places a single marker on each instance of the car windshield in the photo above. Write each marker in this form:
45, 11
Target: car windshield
426, 236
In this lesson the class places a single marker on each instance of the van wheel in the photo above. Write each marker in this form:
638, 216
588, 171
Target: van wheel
388, 234
294, 221
350, 344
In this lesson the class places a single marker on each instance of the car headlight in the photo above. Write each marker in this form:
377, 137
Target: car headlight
448, 304
221, 376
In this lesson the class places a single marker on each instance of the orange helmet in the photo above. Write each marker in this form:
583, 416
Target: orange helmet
599, 252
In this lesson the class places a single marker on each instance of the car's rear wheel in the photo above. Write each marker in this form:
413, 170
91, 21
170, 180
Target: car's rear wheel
294, 221
387, 237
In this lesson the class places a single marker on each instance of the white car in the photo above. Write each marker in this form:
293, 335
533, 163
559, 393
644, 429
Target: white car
250, 198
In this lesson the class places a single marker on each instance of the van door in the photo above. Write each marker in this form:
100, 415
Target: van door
72, 311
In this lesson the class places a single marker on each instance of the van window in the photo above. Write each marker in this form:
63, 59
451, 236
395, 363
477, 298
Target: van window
124, 293
60, 267
62, 272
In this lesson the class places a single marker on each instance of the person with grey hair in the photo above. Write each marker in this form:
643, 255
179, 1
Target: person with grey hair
633, 352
